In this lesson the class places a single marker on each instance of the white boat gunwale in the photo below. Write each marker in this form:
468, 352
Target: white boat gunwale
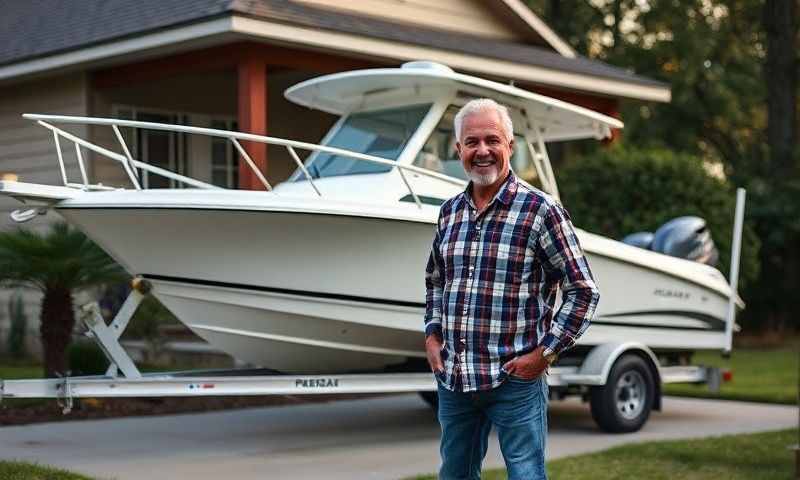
698, 274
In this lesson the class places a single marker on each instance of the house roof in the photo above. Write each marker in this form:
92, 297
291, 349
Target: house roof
42, 28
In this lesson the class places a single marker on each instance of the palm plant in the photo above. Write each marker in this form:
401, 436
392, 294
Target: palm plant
59, 262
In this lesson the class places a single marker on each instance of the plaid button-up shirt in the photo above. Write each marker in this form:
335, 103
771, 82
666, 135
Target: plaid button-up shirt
492, 280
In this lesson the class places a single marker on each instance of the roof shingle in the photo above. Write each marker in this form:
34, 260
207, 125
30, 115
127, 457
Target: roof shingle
37, 28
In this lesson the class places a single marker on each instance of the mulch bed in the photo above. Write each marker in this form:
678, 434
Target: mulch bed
25, 411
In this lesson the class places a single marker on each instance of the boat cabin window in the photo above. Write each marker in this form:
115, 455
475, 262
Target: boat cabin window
439, 152
382, 133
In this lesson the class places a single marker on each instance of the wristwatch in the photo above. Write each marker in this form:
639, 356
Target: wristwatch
550, 358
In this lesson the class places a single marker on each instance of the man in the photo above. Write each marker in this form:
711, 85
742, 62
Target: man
500, 253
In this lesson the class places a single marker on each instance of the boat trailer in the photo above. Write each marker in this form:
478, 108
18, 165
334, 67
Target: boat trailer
123, 378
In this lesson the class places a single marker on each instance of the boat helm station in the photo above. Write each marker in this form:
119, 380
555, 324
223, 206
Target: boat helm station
406, 115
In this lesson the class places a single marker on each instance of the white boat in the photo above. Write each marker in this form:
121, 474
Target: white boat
324, 272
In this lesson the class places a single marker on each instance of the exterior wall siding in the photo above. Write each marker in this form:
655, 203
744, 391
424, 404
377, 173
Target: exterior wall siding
465, 16
28, 151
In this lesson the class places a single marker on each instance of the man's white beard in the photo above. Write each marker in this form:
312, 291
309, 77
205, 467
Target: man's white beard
483, 180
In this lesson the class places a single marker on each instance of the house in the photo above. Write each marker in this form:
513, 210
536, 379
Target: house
225, 64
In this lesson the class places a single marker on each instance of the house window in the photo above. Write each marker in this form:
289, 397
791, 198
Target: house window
205, 158
159, 148
224, 160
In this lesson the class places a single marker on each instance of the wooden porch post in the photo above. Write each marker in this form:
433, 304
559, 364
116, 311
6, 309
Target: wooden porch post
252, 117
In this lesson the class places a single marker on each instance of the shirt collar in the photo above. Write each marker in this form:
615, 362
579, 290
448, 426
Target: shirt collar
505, 195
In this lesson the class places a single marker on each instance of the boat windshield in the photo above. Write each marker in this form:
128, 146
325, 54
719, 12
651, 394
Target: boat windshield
382, 133
439, 152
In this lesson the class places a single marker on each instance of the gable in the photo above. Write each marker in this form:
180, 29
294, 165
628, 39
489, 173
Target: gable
464, 16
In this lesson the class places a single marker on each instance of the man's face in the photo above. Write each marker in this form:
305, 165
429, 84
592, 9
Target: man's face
484, 149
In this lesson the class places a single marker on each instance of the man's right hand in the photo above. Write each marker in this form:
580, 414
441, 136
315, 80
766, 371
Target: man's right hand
433, 349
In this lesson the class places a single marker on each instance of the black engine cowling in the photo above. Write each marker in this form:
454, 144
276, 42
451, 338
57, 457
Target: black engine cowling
685, 237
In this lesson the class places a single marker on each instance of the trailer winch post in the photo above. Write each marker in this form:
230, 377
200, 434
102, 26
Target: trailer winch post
736, 248
107, 336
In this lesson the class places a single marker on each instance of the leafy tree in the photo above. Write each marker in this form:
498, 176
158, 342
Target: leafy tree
58, 263
623, 190
732, 68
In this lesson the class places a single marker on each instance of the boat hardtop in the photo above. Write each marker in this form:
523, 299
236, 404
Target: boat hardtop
342, 93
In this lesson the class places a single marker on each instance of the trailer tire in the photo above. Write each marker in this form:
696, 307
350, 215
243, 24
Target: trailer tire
431, 398
624, 403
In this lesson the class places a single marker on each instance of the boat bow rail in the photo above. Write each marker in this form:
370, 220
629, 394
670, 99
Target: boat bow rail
132, 165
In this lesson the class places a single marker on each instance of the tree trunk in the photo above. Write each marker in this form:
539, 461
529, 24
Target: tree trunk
780, 74
616, 30
58, 320
780, 25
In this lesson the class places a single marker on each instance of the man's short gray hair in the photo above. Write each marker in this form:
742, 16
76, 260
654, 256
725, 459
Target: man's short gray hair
482, 105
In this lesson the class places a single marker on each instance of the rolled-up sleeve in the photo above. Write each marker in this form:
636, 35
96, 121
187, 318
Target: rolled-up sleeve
564, 261
434, 284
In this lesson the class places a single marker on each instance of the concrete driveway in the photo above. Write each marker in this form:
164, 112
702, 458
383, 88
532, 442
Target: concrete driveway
387, 437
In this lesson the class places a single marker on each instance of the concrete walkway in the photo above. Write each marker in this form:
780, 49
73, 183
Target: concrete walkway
383, 438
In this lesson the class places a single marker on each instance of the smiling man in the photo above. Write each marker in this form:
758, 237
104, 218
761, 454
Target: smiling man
500, 254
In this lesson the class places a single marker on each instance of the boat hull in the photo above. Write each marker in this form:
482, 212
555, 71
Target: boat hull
305, 292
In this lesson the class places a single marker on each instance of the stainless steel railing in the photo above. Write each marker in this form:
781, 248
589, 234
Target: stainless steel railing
131, 165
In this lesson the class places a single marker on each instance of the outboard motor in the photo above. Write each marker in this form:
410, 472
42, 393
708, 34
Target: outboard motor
686, 237
639, 239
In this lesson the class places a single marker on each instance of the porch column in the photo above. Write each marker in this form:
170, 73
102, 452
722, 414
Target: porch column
252, 118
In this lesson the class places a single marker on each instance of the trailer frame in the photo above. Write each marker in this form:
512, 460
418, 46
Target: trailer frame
123, 378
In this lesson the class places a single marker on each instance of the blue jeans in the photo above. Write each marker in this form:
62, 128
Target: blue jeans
517, 408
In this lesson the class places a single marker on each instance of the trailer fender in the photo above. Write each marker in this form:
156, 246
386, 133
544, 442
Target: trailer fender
596, 367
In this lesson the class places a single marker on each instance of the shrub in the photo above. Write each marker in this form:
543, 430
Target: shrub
620, 190
150, 315
84, 357
18, 327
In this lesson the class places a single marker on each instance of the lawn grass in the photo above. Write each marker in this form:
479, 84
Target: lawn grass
18, 372
759, 456
759, 375
10, 470
28, 370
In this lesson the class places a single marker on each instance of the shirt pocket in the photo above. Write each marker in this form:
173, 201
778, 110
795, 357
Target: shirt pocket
510, 262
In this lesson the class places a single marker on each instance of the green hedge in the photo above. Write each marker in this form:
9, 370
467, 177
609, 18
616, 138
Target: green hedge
84, 357
620, 190
15, 342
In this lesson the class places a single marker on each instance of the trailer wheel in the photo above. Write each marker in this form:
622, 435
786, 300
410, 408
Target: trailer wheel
624, 403
431, 398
